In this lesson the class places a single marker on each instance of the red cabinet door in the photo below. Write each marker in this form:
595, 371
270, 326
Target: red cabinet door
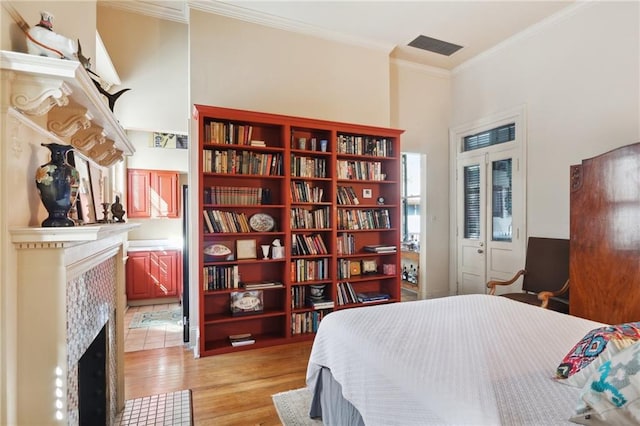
138, 275
164, 264
138, 193
152, 193
164, 194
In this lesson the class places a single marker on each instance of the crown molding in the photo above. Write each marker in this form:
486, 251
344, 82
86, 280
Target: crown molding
236, 11
179, 11
176, 11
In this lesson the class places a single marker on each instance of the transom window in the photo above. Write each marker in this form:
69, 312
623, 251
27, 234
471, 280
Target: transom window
496, 136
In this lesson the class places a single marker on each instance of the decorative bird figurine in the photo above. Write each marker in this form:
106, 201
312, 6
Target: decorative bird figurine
86, 63
43, 41
111, 97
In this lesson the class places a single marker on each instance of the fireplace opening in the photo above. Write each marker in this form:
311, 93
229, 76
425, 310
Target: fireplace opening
92, 382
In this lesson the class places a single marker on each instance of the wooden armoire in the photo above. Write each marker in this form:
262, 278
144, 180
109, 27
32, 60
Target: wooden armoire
604, 266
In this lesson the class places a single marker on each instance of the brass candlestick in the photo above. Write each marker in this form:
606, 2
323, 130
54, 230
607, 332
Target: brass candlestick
105, 213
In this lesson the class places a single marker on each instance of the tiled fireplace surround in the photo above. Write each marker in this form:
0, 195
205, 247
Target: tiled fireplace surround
91, 304
70, 285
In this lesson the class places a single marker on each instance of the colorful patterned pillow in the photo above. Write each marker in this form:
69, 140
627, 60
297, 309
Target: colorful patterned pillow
596, 347
611, 396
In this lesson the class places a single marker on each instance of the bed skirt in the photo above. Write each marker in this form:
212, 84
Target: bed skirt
329, 404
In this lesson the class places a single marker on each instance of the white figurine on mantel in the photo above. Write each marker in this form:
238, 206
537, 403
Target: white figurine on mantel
43, 41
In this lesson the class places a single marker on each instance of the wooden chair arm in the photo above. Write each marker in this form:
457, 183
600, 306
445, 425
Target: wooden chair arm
491, 285
544, 296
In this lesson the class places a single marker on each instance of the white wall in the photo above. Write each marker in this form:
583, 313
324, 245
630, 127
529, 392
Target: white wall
148, 157
248, 66
151, 57
421, 104
578, 76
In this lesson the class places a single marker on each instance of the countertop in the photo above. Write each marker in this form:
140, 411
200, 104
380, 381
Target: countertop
151, 245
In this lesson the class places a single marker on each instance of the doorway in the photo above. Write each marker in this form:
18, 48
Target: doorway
489, 202
411, 232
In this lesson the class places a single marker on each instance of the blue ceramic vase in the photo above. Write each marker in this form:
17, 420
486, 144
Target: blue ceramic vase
58, 183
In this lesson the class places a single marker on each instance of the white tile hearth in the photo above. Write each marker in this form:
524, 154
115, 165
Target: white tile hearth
164, 409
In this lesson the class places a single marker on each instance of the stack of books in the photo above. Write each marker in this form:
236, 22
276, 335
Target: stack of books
320, 303
372, 297
241, 339
380, 248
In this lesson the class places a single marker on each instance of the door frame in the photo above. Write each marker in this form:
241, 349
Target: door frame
515, 115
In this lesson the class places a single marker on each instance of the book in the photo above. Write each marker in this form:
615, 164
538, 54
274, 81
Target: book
241, 339
262, 284
380, 248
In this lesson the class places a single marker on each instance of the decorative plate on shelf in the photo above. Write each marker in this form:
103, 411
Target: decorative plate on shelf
217, 250
262, 222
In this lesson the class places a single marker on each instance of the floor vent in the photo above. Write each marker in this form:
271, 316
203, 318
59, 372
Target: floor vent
435, 45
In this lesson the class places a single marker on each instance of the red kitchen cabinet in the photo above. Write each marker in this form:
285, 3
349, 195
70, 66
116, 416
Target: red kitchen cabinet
152, 194
153, 274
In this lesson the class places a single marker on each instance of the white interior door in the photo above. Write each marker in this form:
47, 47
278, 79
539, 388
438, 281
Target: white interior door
471, 178
490, 213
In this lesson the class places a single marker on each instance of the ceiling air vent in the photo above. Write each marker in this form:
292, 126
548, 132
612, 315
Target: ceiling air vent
435, 45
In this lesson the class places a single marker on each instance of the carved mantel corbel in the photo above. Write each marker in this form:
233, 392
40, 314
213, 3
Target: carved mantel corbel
65, 122
85, 139
37, 96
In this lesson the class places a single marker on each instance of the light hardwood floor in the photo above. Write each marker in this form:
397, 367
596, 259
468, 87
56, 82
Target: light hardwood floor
229, 389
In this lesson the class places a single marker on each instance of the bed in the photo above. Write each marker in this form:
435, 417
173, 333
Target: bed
478, 359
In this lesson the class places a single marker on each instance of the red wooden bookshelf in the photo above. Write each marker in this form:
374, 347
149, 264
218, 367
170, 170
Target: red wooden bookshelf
300, 163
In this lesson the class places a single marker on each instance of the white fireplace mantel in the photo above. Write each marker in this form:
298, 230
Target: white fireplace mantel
66, 236
70, 284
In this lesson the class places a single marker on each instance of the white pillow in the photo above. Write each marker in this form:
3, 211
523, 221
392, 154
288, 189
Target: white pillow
611, 396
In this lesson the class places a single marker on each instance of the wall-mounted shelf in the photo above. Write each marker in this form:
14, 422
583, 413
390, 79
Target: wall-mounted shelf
64, 94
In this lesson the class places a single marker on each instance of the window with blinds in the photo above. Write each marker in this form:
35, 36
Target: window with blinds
496, 136
472, 202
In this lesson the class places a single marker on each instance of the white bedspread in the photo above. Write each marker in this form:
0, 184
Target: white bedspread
474, 359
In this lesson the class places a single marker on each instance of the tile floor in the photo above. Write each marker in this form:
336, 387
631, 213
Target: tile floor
139, 339
409, 295
165, 409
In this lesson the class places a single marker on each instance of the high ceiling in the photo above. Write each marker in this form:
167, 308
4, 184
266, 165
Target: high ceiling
476, 25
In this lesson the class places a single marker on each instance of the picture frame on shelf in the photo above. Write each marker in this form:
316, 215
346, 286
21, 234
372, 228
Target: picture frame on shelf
354, 268
246, 249
369, 266
389, 268
246, 302
85, 207
218, 251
